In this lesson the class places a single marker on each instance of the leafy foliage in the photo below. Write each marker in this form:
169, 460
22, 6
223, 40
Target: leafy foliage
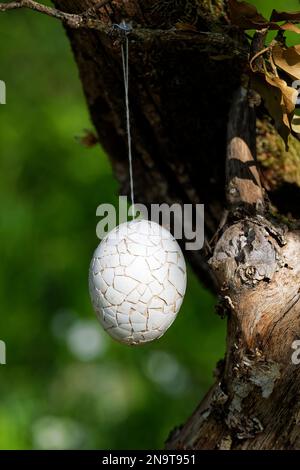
275, 67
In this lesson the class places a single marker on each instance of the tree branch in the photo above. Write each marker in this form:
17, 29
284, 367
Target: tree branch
243, 188
208, 41
70, 19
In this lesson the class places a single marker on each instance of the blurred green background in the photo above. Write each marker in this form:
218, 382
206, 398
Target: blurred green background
66, 384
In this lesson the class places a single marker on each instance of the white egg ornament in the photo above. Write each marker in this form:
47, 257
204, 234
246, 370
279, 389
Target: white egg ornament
137, 281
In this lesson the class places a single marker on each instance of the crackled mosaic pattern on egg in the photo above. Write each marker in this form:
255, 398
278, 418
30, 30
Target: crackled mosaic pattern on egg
137, 281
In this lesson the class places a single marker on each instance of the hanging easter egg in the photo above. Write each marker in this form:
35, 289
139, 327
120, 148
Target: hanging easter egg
137, 281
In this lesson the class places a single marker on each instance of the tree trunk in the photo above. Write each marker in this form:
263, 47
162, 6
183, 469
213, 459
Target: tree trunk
181, 88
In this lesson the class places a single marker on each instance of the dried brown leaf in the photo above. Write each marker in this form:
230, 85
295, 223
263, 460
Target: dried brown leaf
288, 27
279, 99
288, 59
245, 16
285, 16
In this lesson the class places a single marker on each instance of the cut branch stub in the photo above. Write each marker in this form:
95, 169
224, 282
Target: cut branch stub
244, 255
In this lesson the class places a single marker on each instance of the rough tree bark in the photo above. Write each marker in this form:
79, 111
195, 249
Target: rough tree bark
183, 83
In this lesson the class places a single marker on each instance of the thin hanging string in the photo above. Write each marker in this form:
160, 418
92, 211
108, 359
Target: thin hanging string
125, 54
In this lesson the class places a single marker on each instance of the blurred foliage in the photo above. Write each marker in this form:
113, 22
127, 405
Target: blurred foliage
66, 384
